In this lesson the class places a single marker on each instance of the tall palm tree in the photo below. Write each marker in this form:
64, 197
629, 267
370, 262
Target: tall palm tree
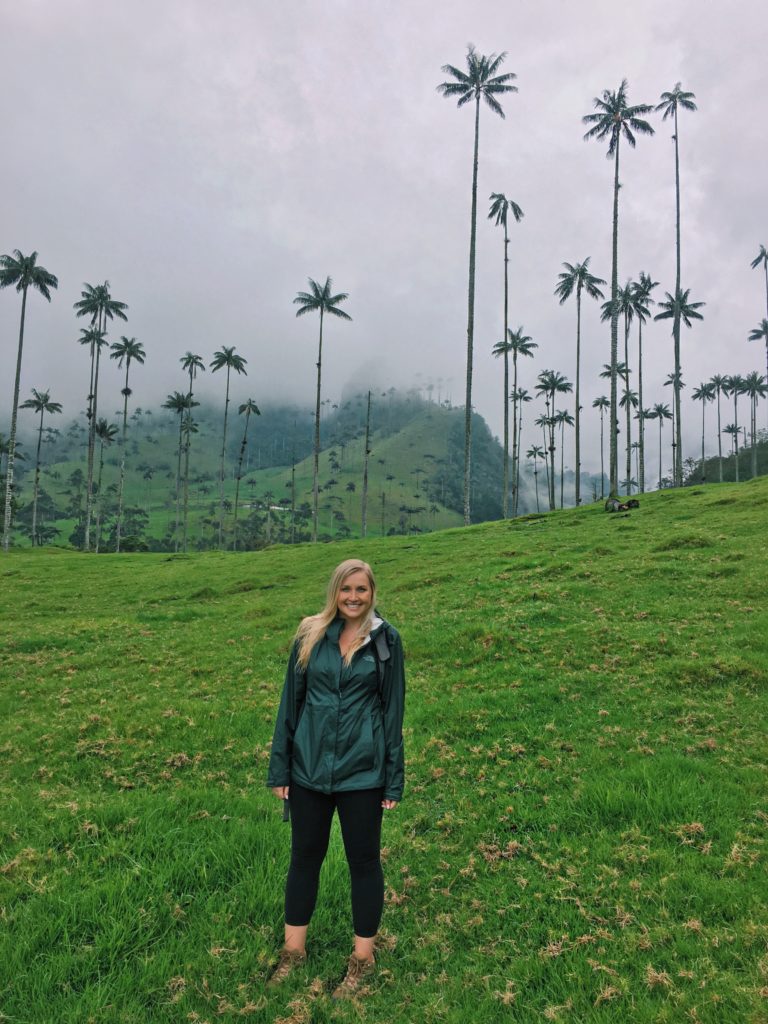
755, 388
536, 452
563, 419
247, 408
626, 306
601, 403
545, 422
734, 386
577, 275
676, 309
178, 403
519, 397
479, 81
719, 383
518, 343
661, 412
96, 302
23, 273
670, 103
127, 350
319, 299
227, 358
704, 393
189, 427
760, 333
105, 434
641, 298
500, 209
551, 383
762, 258
41, 403
613, 119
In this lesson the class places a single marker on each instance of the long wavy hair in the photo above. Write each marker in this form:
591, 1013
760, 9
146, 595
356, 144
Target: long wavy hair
312, 629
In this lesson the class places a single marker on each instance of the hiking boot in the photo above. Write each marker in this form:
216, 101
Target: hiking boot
289, 960
357, 971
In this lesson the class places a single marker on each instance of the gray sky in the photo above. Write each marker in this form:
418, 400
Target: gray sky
207, 160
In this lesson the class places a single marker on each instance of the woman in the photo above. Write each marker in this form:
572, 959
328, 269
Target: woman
338, 744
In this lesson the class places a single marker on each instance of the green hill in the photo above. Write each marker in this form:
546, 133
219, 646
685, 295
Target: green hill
583, 832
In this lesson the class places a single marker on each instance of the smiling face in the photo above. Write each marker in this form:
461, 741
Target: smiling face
355, 597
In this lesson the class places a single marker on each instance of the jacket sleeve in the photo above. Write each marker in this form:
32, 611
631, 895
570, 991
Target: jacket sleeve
291, 702
393, 704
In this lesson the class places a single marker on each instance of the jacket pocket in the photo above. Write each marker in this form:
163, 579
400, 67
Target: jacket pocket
307, 743
360, 755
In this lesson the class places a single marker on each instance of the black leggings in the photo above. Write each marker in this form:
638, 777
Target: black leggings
360, 815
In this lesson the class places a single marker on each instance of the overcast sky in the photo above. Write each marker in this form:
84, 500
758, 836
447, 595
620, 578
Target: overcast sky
208, 160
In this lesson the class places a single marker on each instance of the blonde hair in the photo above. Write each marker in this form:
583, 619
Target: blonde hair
312, 629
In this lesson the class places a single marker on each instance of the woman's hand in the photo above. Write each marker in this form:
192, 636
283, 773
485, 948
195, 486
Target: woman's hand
389, 805
281, 792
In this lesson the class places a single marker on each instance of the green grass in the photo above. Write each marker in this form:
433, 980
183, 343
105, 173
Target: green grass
582, 837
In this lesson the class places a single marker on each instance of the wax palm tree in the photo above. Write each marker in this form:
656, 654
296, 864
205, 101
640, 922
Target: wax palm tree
733, 432
628, 402
96, 340
535, 452
21, 272
545, 422
671, 103
227, 359
676, 309
760, 333
762, 259
661, 412
625, 300
178, 403
41, 403
704, 393
96, 302
551, 383
734, 387
755, 388
719, 383
642, 300
247, 409
192, 364
500, 209
105, 434
577, 276
519, 397
519, 344
563, 419
189, 427
127, 350
480, 81
615, 118
319, 299
601, 403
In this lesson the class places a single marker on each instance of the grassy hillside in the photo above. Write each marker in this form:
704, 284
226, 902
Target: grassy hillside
582, 837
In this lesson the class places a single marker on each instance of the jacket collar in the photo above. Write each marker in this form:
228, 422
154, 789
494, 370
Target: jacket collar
334, 630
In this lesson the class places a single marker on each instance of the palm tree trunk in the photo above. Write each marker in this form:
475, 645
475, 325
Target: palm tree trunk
12, 436
178, 484
660, 425
187, 446
719, 438
92, 438
641, 470
753, 425
122, 461
243, 443
365, 467
516, 462
37, 478
578, 401
316, 462
470, 325
99, 504
562, 462
536, 483
736, 432
505, 493
551, 415
221, 468
678, 469
614, 424
629, 405
703, 409
602, 462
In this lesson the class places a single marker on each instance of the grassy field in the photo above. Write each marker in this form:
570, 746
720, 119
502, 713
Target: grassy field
582, 837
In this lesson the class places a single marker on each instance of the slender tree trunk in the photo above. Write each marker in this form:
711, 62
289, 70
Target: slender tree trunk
614, 423
187, 446
178, 485
536, 484
37, 479
641, 470
562, 462
470, 326
519, 421
602, 462
736, 432
577, 396
92, 436
505, 499
99, 500
753, 425
7, 522
122, 460
221, 469
546, 463
243, 443
316, 464
719, 439
551, 417
365, 466
629, 405
678, 470
703, 470
661, 421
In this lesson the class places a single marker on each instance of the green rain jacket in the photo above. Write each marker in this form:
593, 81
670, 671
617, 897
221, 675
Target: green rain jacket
336, 729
